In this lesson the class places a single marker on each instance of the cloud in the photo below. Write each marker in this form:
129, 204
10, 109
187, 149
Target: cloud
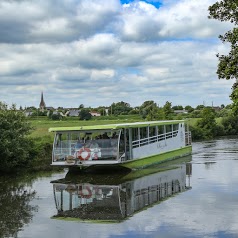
45, 21
95, 53
183, 19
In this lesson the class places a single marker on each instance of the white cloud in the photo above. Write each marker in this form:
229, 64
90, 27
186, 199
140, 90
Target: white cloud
81, 48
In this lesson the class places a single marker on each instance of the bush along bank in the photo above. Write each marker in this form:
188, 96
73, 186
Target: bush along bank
41, 160
208, 127
18, 150
39, 155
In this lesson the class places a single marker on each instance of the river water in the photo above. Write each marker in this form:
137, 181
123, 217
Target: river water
192, 197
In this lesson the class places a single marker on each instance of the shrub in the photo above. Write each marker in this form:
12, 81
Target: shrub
16, 146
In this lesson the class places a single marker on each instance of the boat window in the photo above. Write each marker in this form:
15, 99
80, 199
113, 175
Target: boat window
175, 127
122, 145
135, 134
160, 129
168, 128
100, 145
143, 132
103, 145
152, 131
152, 134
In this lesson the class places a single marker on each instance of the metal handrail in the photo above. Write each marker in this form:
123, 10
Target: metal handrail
153, 139
188, 138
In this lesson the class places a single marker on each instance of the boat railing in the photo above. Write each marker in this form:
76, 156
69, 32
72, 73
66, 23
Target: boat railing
107, 147
154, 139
188, 138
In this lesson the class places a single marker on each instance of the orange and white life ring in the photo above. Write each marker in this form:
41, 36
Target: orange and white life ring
84, 153
85, 192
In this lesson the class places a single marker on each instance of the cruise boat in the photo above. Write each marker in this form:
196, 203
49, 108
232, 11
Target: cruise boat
96, 199
131, 145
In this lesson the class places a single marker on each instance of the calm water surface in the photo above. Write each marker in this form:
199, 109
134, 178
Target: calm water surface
196, 198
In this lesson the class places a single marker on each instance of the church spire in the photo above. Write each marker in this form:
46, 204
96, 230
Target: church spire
42, 103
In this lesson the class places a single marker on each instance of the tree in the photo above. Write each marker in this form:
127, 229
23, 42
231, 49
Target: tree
134, 111
84, 114
230, 124
56, 116
38, 112
81, 106
195, 114
153, 114
101, 110
223, 113
16, 147
208, 123
200, 107
120, 108
189, 108
168, 111
161, 115
148, 110
227, 10
178, 107
50, 113
234, 98
30, 108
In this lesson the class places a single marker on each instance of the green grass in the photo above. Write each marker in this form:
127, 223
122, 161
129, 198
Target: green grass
42, 124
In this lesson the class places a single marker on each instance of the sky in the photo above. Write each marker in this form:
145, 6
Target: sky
96, 52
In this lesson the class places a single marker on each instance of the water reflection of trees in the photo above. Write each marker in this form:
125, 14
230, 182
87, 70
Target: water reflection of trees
15, 207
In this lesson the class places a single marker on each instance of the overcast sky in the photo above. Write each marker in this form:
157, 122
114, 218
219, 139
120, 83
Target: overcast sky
96, 52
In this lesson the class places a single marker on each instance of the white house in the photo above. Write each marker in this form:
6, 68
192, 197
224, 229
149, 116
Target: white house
95, 114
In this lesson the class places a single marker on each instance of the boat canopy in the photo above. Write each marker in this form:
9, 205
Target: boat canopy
115, 126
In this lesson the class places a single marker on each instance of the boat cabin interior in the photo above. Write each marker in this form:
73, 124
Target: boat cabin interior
116, 142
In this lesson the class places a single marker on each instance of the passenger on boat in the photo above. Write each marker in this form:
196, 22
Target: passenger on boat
114, 135
105, 136
98, 137
79, 144
92, 144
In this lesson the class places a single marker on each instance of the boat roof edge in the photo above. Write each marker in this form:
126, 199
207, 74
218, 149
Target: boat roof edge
115, 126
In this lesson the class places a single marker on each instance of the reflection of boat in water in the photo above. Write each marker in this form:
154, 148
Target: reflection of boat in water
97, 201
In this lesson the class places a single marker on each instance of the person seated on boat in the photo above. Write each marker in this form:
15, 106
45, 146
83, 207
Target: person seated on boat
105, 136
93, 144
114, 135
79, 144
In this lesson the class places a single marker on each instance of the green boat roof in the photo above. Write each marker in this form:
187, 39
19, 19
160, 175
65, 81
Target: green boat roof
115, 126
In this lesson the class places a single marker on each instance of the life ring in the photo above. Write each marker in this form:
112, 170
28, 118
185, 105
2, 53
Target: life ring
85, 192
84, 154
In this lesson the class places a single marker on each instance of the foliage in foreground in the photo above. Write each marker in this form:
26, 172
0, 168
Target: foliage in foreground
227, 10
16, 146
19, 150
